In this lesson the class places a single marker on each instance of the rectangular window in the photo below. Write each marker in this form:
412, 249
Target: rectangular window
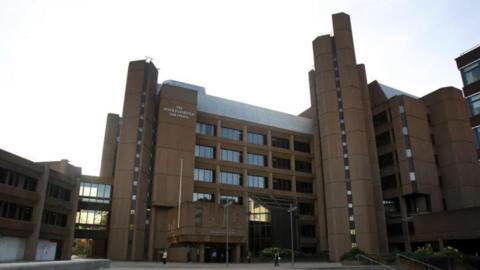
303, 166
230, 178
281, 142
281, 163
203, 197
198, 216
255, 159
282, 184
471, 73
389, 182
58, 192
383, 139
224, 199
385, 160
380, 119
256, 138
476, 132
231, 134
231, 155
54, 218
474, 104
306, 209
204, 151
301, 146
304, 187
15, 211
205, 129
257, 181
307, 230
203, 175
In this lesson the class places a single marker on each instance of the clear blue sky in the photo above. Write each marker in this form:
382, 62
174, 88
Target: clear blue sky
63, 63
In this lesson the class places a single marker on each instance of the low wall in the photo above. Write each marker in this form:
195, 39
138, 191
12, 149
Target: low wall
79, 264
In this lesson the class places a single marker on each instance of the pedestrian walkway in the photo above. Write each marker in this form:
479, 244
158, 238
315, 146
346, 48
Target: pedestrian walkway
237, 266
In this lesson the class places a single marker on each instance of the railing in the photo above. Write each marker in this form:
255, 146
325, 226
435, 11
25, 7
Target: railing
428, 266
358, 256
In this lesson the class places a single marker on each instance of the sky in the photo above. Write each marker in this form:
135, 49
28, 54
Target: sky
63, 64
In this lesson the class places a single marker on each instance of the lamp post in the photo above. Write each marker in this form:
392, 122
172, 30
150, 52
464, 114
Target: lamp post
290, 210
226, 205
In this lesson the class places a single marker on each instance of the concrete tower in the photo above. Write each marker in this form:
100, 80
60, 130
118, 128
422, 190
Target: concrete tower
342, 118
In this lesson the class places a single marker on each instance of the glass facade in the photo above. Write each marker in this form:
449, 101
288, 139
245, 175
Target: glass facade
204, 151
471, 73
256, 138
231, 178
255, 159
231, 155
260, 226
257, 181
205, 129
203, 175
92, 217
474, 104
231, 134
93, 192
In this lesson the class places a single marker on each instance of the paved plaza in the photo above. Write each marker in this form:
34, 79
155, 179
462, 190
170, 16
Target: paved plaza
286, 265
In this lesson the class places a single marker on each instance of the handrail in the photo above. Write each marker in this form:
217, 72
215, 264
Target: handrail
429, 266
358, 256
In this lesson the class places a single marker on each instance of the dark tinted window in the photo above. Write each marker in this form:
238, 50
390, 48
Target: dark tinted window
282, 184
280, 142
303, 166
281, 163
304, 187
302, 146
380, 119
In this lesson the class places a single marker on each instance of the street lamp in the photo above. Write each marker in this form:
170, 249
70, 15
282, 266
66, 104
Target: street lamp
290, 210
226, 205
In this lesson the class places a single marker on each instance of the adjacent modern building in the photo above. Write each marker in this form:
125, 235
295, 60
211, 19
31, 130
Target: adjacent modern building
38, 202
365, 166
469, 65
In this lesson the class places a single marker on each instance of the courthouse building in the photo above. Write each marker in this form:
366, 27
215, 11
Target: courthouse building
365, 166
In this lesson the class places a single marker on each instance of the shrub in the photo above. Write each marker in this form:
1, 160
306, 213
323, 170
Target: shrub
351, 255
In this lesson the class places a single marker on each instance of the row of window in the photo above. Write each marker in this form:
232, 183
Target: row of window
253, 159
54, 218
233, 178
252, 137
15, 179
58, 192
92, 217
95, 190
471, 73
15, 211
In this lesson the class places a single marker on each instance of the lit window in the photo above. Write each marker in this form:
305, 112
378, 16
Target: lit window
412, 176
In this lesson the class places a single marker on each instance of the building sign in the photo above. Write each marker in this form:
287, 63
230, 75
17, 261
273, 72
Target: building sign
178, 111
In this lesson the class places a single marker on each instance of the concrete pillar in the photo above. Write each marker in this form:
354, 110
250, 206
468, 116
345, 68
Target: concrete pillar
236, 256
32, 239
202, 253
68, 243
